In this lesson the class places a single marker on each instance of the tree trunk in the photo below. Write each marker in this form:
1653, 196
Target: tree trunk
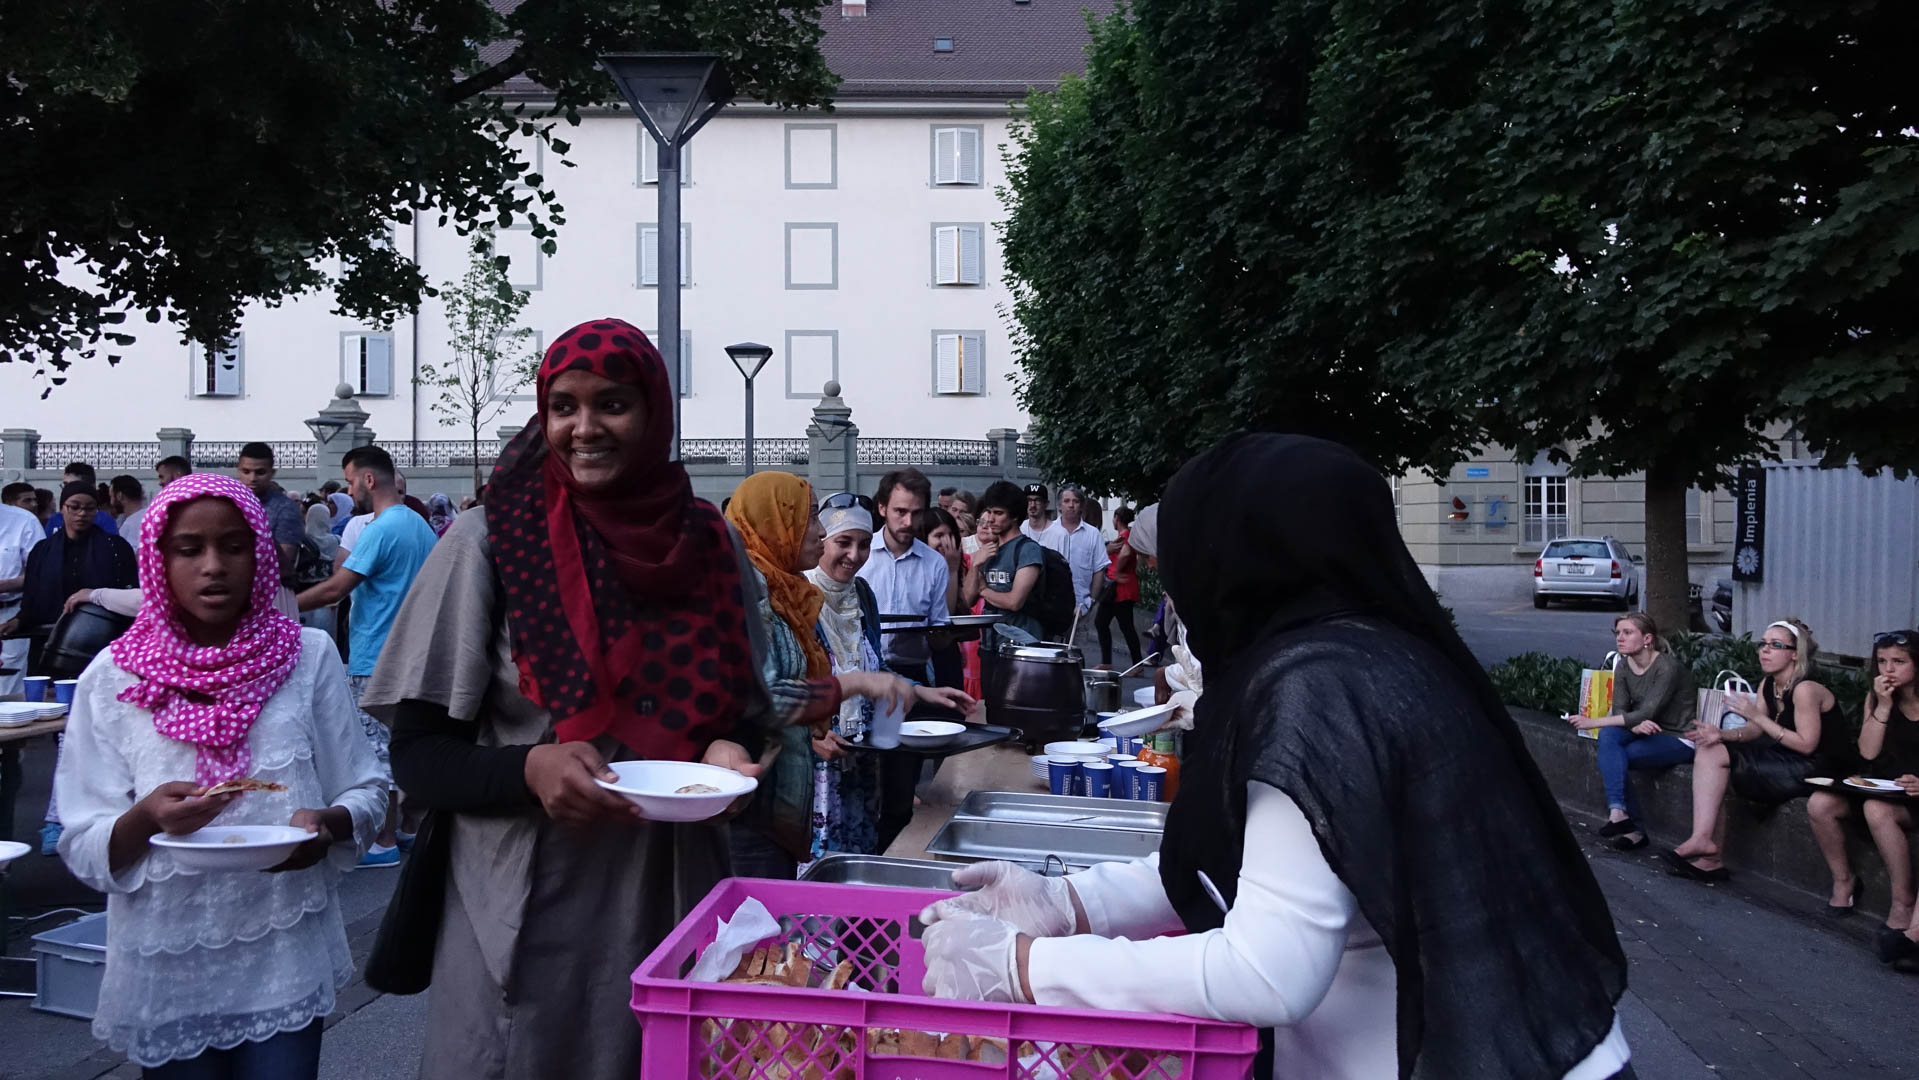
1666, 578
475, 428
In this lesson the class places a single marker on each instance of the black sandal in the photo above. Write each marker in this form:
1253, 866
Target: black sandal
1617, 828
1683, 867
1627, 843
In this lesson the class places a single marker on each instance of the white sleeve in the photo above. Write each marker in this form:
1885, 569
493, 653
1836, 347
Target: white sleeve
1269, 965
118, 601
1125, 899
350, 775
93, 785
937, 600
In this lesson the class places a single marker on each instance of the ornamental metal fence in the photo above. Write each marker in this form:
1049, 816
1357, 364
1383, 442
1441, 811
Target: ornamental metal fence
226, 455
926, 452
767, 453
105, 457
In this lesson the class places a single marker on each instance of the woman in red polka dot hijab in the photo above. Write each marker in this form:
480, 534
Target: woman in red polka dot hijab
591, 611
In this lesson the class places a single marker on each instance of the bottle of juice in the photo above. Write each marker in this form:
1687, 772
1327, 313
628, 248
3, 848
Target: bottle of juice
1158, 750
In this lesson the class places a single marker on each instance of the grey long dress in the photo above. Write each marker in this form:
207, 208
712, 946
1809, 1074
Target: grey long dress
544, 923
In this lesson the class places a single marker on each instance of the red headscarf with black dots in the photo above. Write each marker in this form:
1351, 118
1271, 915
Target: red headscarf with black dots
624, 607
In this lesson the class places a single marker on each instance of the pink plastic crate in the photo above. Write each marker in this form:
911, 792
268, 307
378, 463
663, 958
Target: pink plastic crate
704, 1031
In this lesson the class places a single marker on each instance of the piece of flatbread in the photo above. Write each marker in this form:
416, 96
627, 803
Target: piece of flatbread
244, 783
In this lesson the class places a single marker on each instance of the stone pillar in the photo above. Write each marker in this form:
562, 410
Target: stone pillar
340, 427
176, 442
507, 433
1006, 450
19, 449
832, 445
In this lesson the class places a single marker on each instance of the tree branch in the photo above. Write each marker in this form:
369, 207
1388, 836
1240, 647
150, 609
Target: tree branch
482, 81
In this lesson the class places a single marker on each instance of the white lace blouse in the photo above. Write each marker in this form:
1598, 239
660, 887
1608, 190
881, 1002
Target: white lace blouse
198, 960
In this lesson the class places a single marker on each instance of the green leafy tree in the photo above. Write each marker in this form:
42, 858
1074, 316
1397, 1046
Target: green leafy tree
492, 353
1156, 258
179, 160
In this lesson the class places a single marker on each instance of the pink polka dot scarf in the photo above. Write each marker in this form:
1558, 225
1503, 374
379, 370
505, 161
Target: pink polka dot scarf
207, 696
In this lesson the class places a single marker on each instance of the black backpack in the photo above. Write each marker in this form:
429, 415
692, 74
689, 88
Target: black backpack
1051, 601
310, 567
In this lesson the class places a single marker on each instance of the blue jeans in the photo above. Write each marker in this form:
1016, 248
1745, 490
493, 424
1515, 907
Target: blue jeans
1620, 750
290, 1055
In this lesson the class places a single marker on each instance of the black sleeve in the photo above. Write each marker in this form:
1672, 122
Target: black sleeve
437, 764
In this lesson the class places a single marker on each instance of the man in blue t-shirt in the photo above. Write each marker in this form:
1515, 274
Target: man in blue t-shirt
378, 573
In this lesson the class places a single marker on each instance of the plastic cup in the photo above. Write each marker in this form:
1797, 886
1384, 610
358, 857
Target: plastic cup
1062, 775
1111, 743
63, 690
35, 687
885, 732
1152, 782
1098, 779
1126, 779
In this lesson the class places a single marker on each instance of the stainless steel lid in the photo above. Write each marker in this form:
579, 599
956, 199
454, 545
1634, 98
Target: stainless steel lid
1058, 654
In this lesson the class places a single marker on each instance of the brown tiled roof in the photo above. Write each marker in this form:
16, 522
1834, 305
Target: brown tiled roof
1001, 49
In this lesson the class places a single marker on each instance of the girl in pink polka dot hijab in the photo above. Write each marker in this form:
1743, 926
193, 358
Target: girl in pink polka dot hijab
209, 651
233, 971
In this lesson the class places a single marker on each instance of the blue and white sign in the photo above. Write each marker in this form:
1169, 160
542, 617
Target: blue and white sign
1477, 472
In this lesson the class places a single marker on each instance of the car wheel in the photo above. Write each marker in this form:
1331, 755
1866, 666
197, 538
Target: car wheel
1539, 601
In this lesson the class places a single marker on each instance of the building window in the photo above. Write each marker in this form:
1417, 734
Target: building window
219, 372
957, 254
956, 156
686, 358
649, 245
812, 255
649, 155
812, 155
366, 363
959, 362
1695, 525
526, 259
1546, 517
812, 360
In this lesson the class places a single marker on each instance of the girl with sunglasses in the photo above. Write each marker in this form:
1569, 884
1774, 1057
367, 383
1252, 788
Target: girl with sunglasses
1791, 725
1889, 748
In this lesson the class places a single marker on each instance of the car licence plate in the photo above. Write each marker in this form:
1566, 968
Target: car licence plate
1579, 569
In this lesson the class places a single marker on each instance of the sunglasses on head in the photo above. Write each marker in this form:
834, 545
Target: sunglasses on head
1901, 638
848, 499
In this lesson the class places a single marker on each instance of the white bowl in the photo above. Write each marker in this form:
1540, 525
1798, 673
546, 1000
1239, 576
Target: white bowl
929, 734
11, 850
1139, 721
1144, 696
1039, 767
1087, 750
654, 787
234, 847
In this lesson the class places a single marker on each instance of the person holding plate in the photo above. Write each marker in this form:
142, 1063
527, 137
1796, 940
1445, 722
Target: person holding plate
216, 974
593, 610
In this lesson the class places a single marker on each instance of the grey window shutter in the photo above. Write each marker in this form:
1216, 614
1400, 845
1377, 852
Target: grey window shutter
969, 244
967, 155
225, 381
686, 363
946, 156
946, 255
947, 364
649, 157
686, 255
972, 374
649, 254
377, 364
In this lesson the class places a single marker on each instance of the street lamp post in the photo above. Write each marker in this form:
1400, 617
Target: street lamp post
674, 94
749, 357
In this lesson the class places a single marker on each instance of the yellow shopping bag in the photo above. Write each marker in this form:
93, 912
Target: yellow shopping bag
1595, 697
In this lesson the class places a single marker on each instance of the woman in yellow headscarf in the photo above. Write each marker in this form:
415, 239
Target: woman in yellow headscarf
775, 516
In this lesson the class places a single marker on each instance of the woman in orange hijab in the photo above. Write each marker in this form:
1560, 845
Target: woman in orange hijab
775, 516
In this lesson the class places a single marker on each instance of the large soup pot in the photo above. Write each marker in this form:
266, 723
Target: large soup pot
1037, 689
78, 637
1102, 690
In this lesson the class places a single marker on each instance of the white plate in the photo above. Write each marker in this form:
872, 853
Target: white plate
987, 619
233, 847
1076, 749
1139, 721
653, 786
11, 850
929, 734
1867, 783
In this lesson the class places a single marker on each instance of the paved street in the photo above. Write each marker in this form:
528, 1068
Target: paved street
1502, 626
1722, 984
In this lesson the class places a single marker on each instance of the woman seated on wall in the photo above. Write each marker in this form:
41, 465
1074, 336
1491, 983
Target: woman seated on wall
1655, 701
1789, 724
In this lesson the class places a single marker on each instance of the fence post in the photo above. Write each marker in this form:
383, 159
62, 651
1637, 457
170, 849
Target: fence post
340, 427
832, 445
19, 448
1005, 451
176, 442
507, 433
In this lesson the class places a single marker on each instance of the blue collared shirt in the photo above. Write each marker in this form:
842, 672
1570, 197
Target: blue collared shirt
909, 584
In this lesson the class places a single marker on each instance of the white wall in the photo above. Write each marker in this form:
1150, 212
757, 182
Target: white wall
884, 308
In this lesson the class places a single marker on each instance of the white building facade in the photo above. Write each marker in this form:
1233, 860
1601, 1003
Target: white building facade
860, 243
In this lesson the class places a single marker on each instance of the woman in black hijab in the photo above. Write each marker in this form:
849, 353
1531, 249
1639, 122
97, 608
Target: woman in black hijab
1367, 862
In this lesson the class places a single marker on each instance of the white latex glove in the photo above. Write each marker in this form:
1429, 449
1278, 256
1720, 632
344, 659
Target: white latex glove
1035, 905
973, 958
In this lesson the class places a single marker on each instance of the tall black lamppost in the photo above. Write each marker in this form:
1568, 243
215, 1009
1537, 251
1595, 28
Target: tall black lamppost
674, 95
749, 357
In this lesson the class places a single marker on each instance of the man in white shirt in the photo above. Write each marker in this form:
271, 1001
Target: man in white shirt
1084, 550
19, 531
1038, 519
129, 506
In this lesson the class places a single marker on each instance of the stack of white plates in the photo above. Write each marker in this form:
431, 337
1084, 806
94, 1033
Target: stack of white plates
22, 713
1039, 768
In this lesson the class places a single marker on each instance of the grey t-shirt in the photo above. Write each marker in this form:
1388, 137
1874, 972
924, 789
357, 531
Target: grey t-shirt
998, 573
1664, 693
